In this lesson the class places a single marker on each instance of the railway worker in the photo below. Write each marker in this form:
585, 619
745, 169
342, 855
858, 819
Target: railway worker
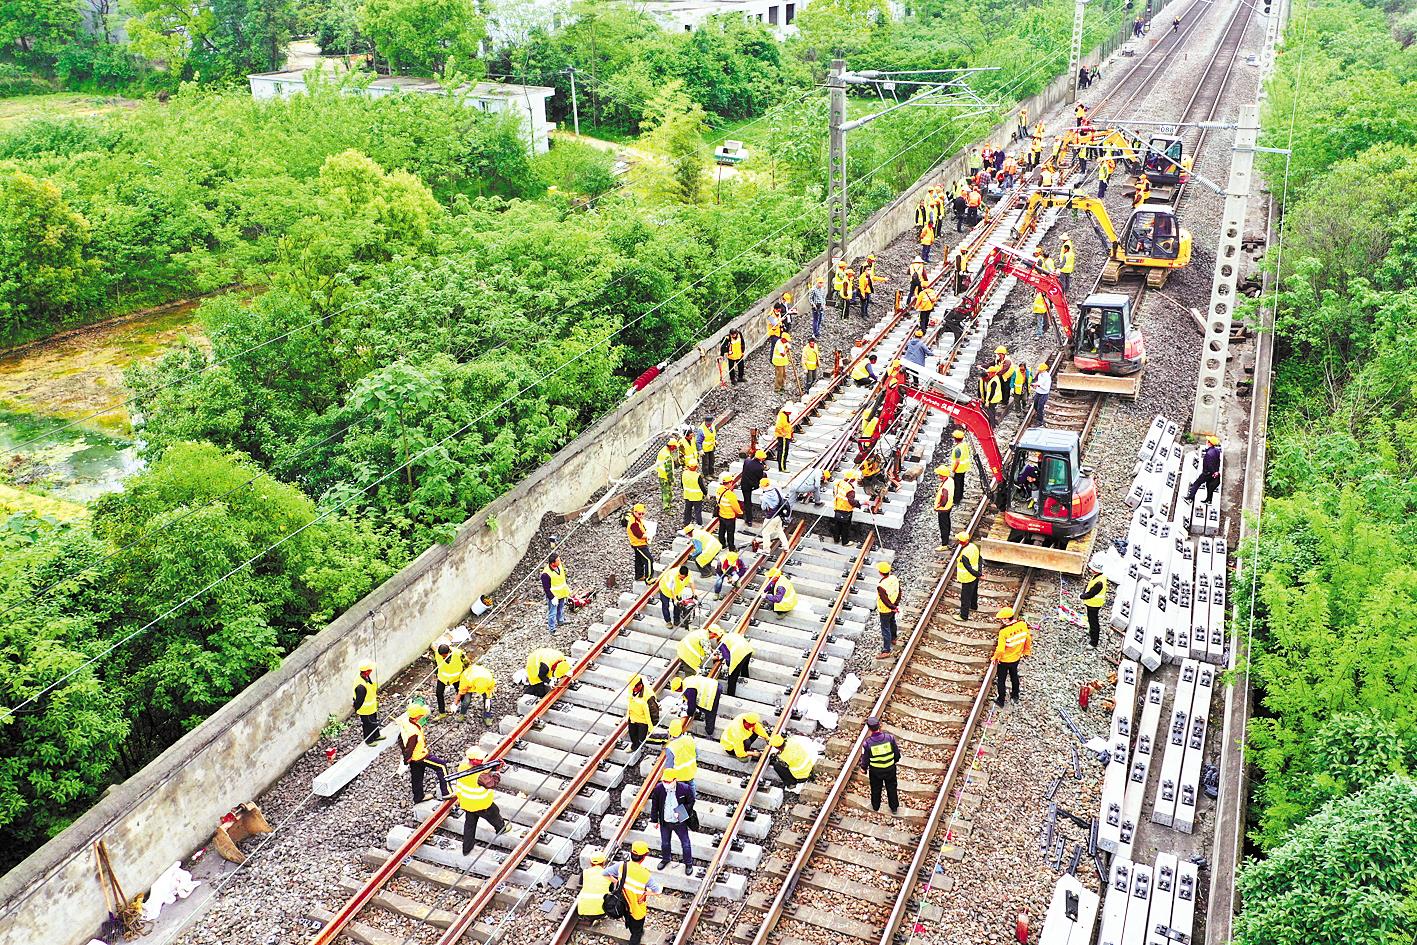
776, 510
961, 273
740, 735
672, 585
887, 606
1021, 129
366, 703
1023, 381
792, 758
838, 278
701, 696
729, 508
944, 505
967, 573
960, 458
922, 211
991, 393
1210, 471
864, 374
811, 360
477, 801
730, 570
681, 754
925, 301
1047, 177
1141, 191
870, 265
973, 206
782, 431
450, 663
879, 756
633, 880
476, 681
974, 161
1009, 172
779, 592
808, 485
556, 591
774, 322
1042, 387
1040, 312
735, 350
545, 667
1005, 365
1094, 596
692, 485
1080, 110
414, 742
781, 358
664, 465
688, 447
590, 901
1104, 174
917, 276
866, 287
673, 816
927, 240
870, 426
1067, 262
641, 708
638, 532
704, 546
848, 291
734, 654
707, 439
1015, 642
694, 650
817, 298
844, 503
1035, 151
754, 469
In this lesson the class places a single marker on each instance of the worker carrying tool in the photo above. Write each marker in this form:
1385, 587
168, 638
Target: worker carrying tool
476, 798
740, 736
641, 710
703, 547
792, 758
734, 653
633, 882
879, 756
416, 756
672, 585
779, 592
637, 530
1094, 597
476, 682
967, 574
545, 666
450, 662
887, 606
366, 703
1015, 642
1210, 471
700, 699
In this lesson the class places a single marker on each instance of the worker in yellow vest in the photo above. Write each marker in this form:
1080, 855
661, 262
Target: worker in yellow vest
729, 508
967, 574
476, 799
734, 654
864, 373
637, 530
792, 758
1040, 313
735, 351
927, 241
681, 762
634, 882
450, 663
1015, 642
741, 733
925, 301
416, 755
664, 465
700, 698
478, 682
688, 448
774, 324
672, 586
704, 547
865, 289
556, 591
708, 443
991, 393
729, 569
781, 359
545, 666
590, 901
641, 709
887, 606
810, 363
779, 592
959, 464
1094, 597
693, 486
944, 505
844, 503
838, 280
366, 703
693, 649
782, 431
1067, 262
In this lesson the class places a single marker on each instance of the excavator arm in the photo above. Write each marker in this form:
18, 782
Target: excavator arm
1073, 200
1008, 262
970, 416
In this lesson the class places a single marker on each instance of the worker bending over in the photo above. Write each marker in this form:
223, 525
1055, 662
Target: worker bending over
734, 653
476, 682
730, 570
741, 734
779, 592
545, 666
705, 546
792, 758
700, 699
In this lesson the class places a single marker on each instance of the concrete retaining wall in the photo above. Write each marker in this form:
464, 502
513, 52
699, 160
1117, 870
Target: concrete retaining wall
172, 806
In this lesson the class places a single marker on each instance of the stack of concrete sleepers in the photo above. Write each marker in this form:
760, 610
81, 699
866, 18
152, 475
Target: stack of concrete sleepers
1208, 614
1143, 755
1072, 914
1179, 784
1114, 779
1147, 905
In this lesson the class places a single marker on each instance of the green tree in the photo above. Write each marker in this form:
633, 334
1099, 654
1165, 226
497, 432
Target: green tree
44, 274
32, 32
832, 28
423, 37
674, 128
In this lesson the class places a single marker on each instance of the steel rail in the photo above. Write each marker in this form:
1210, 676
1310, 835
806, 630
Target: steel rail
1243, 14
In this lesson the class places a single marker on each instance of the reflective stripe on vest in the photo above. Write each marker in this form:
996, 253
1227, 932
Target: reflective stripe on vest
809, 358
891, 585
370, 705
881, 755
683, 758
739, 649
1096, 592
471, 795
798, 759
636, 889
710, 437
693, 486
594, 885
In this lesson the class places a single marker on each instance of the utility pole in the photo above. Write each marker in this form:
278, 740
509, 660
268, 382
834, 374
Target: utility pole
836, 163
1075, 51
575, 110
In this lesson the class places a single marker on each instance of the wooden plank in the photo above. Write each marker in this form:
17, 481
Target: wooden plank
848, 854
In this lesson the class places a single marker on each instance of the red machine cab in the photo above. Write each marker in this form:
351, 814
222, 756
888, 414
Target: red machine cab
1107, 340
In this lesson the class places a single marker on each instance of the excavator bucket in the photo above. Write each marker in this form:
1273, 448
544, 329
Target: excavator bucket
1070, 378
1071, 559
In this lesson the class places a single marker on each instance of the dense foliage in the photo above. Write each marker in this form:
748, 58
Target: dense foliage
1333, 649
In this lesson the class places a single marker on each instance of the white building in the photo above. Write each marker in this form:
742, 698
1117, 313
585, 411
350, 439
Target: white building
527, 102
687, 15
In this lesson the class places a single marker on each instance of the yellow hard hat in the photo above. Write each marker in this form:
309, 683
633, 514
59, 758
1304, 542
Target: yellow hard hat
1005, 613
764, 482
884, 567
787, 336
895, 364
774, 572
826, 474
639, 507
775, 741
1043, 366
942, 471
787, 296
640, 848
597, 858
962, 538
959, 434
727, 477
687, 530
1213, 440
693, 466
760, 454
751, 719
417, 711
673, 444
367, 666
676, 727
1001, 350
676, 685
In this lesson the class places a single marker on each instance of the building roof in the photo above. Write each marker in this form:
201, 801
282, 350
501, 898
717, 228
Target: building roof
405, 83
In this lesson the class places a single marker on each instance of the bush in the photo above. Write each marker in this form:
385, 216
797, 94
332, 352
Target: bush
101, 67
576, 168
16, 81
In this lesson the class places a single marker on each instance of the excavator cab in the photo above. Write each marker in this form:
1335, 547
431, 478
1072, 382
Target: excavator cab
1107, 340
1162, 165
1153, 237
1045, 490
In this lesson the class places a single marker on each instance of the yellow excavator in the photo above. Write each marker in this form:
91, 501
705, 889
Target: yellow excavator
1153, 241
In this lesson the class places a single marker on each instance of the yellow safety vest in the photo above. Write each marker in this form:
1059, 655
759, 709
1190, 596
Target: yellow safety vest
927, 235
970, 554
671, 585
710, 437
1096, 593
1015, 642
945, 496
559, 590
859, 372
782, 429
881, 755
1069, 259
546, 656
472, 797
451, 666
991, 390
637, 533
477, 679
795, 754
865, 284
636, 891
735, 738
693, 486
712, 546
683, 759
789, 596
594, 885
689, 451
735, 348
1040, 304
959, 457
728, 504
891, 585
412, 735
774, 325
739, 648
664, 462
637, 709
692, 648
370, 705
841, 493
809, 358
781, 353
705, 687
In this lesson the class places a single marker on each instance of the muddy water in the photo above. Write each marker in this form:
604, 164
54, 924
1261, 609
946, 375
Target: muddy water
64, 427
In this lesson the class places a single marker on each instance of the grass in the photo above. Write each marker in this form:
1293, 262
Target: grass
58, 105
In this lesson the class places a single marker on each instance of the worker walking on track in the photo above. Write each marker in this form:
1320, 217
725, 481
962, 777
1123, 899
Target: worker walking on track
792, 758
740, 736
557, 591
844, 504
967, 574
735, 350
959, 464
708, 443
887, 606
693, 486
638, 533
476, 799
783, 432
879, 756
776, 510
734, 653
925, 301
672, 585
944, 505
414, 742
366, 703
633, 881
477, 682
1015, 642
729, 508
681, 755
545, 666
450, 662
700, 699
641, 710
1094, 597
664, 465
